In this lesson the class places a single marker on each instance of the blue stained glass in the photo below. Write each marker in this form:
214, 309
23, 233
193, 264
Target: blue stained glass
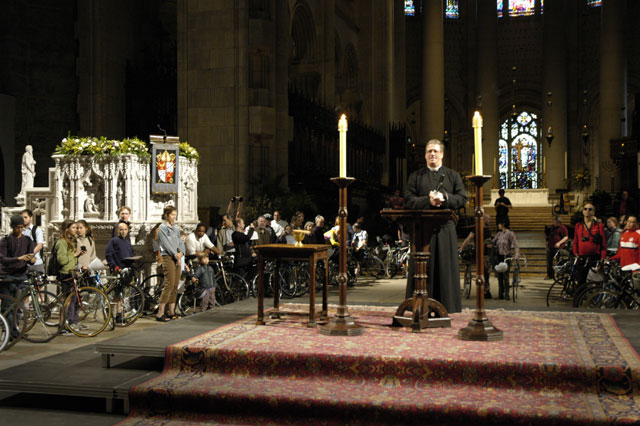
409, 8
518, 152
500, 5
451, 9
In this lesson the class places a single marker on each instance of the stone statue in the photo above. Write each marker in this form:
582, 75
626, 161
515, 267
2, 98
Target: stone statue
28, 168
90, 204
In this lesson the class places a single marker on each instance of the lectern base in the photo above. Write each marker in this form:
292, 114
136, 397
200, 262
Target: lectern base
480, 330
342, 326
426, 313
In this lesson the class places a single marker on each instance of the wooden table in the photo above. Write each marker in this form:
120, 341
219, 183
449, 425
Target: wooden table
311, 253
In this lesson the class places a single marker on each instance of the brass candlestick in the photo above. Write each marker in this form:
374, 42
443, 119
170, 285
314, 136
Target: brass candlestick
479, 328
342, 324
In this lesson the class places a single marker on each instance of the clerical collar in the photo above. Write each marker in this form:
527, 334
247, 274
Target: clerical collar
434, 169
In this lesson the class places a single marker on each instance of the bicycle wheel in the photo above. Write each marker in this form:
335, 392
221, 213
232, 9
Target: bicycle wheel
187, 303
44, 316
391, 263
14, 315
131, 299
88, 315
152, 289
605, 299
373, 266
237, 286
558, 296
301, 279
468, 279
5, 332
516, 283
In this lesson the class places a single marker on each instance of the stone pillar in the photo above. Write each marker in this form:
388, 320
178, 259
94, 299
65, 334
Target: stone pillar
613, 71
432, 112
487, 75
554, 81
213, 105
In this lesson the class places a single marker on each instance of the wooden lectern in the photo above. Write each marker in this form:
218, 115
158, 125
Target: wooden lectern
420, 224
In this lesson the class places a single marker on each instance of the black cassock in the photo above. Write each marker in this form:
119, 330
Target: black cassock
444, 274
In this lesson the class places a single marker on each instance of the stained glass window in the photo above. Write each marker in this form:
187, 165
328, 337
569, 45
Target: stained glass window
522, 7
409, 8
518, 151
500, 5
594, 3
451, 9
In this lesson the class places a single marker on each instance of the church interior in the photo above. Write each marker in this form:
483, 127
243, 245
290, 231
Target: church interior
257, 88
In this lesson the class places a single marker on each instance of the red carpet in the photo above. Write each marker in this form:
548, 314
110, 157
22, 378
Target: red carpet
550, 369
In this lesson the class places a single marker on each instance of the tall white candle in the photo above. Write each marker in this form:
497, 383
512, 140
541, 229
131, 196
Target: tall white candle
342, 128
477, 138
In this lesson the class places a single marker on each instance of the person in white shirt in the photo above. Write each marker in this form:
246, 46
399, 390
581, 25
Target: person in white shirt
277, 228
278, 219
359, 243
198, 243
37, 237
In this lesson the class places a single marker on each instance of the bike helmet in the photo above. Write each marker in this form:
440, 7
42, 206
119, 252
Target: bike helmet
501, 267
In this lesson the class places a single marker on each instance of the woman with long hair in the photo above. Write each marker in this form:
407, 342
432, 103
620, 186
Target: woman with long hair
84, 240
171, 250
67, 253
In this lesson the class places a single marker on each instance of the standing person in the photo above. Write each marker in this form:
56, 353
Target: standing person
124, 215
502, 205
274, 227
505, 241
243, 258
84, 238
438, 187
589, 243
16, 253
278, 219
119, 248
172, 250
204, 274
37, 235
556, 239
613, 234
396, 201
224, 241
67, 253
628, 253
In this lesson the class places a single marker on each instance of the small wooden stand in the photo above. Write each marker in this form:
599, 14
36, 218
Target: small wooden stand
479, 328
342, 324
425, 312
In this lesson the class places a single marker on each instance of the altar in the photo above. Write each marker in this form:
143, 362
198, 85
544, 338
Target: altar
523, 197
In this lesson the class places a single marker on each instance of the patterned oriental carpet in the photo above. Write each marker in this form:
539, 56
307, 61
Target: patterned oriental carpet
551, 368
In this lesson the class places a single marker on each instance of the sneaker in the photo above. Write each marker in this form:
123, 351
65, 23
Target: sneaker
65, 332
79, 326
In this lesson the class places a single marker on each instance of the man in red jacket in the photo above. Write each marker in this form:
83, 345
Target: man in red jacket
628, 252
589, 243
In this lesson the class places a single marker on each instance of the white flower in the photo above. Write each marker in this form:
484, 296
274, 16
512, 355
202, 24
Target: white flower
64, 140
93, 144
77, 140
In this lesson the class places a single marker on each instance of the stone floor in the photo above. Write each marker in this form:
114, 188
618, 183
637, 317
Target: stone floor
75, 358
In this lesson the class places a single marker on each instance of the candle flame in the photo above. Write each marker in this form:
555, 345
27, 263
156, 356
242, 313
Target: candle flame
477, 120
342, 124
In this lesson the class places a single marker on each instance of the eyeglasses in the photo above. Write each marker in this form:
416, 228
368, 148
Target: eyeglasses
586, 209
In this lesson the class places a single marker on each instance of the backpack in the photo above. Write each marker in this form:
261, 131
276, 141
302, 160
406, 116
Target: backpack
53, 266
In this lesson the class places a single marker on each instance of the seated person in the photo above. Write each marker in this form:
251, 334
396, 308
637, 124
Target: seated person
119, 248
198, 243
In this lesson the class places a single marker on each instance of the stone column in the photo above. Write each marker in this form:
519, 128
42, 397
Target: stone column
487, 75
554, 81
613, 82
432, 113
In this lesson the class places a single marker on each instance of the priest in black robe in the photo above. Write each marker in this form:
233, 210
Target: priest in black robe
438, 187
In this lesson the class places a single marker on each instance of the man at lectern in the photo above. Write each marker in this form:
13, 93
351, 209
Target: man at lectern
438, 187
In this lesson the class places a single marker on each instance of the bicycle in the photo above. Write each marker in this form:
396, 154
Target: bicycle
87, 308
467, 255
124, 293
43, 311
5, 332
15, 320
515, 281
564, 285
